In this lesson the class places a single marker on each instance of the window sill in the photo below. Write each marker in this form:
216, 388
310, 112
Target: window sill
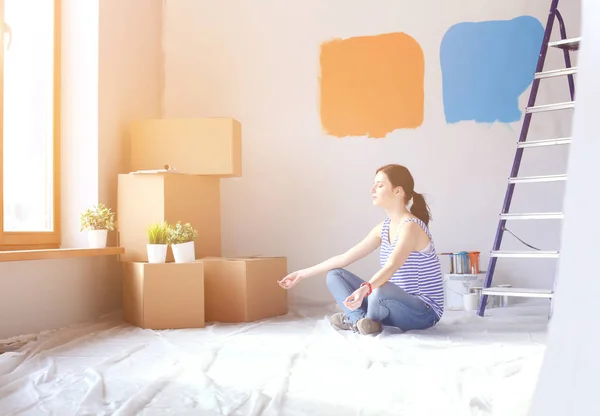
58, 253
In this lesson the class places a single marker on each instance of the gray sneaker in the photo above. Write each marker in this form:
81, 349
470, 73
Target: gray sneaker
340, 321
367, 326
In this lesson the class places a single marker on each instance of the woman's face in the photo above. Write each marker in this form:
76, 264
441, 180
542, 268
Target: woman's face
383, 193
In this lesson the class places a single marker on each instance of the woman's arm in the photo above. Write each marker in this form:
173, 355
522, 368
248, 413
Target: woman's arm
360, 250
408, 238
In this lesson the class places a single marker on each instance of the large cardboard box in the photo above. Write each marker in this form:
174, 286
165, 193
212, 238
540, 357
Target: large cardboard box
147, 198
200, 146
164, 295
244, 289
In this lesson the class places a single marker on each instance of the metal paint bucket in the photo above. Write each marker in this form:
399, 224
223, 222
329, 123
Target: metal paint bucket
503, 300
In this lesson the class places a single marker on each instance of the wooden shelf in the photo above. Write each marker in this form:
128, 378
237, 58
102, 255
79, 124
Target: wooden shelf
58, 253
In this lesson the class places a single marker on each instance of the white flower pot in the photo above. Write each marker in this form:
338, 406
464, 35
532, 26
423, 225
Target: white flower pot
184, 252
157, 253
97, 238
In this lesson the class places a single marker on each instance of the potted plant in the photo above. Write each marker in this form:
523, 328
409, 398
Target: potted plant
97, 220
158, 242
181, 238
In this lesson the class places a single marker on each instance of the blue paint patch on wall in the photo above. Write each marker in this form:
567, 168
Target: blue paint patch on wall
486, 66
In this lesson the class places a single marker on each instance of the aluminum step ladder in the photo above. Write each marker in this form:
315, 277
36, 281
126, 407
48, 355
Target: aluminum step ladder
566, 45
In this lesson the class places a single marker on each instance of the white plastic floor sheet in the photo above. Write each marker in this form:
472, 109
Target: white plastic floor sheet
292, 365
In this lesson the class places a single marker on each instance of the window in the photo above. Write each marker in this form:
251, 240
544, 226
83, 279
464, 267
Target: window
30, 124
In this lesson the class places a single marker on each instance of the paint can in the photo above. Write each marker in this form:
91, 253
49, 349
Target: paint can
474, 262
453, 265
463, 262
471, 301
503, 300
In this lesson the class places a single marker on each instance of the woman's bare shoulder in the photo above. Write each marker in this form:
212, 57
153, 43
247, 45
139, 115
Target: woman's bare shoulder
376, 230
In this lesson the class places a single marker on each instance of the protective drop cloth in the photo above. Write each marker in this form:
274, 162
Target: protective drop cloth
292, 365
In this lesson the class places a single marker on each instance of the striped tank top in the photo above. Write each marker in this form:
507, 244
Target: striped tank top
421, 273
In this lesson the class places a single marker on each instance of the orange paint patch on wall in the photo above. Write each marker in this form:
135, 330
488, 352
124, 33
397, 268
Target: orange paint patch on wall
371, 85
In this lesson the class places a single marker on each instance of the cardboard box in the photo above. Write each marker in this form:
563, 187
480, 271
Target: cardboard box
200, 146
244, 289
147, 198
164, 296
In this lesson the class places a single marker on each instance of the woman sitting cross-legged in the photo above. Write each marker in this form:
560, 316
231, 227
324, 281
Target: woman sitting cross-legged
407, 291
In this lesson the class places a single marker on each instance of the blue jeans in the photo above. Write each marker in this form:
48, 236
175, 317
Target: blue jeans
388, 304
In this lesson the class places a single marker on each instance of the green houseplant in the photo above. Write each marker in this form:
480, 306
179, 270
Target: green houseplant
158, 242
97, 221
181, 238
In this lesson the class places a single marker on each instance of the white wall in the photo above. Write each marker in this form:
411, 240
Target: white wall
130, 82
303, 194
79, 95
568, 379
112, 68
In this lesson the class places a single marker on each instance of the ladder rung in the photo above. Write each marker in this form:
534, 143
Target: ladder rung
534, 179
556, 73
551, 107
568, 44
545, 142
534, 216
518, 292
544, 254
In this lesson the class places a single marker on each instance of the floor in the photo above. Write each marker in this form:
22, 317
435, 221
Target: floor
292, 365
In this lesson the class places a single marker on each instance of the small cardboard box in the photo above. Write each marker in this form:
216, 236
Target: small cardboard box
164, 295
199, 146
156, 197
244, 289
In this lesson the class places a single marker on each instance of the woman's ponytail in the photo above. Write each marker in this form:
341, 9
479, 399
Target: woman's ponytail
419, 208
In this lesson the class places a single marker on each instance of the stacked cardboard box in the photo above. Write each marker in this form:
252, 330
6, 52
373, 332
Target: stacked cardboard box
176, 166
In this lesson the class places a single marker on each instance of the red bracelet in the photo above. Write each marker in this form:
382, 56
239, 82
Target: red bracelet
369, 286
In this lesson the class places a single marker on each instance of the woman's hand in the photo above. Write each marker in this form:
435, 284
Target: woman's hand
291, 279
355, 300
